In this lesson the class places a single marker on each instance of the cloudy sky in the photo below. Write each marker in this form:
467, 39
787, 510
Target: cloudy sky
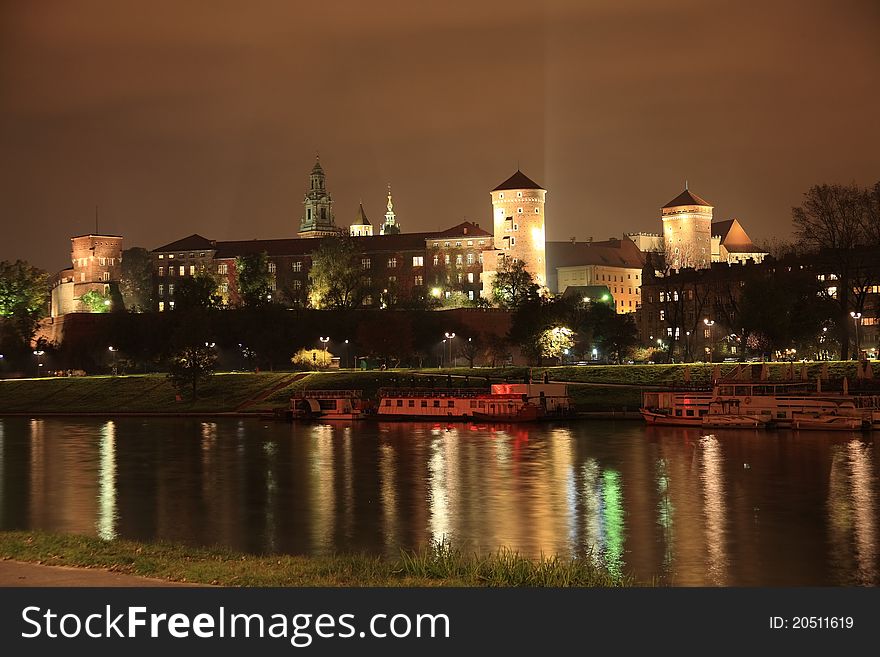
180, 117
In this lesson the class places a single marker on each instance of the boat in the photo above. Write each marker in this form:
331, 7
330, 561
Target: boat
504, 402
327, 405
749, 405
828, 422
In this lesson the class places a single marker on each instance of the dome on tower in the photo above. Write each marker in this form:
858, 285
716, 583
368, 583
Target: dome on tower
519, 180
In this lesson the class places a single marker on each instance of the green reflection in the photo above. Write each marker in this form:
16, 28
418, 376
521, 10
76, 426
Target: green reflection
106, 524
613, 516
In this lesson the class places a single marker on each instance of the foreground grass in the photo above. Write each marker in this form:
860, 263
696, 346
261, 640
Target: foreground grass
439, 565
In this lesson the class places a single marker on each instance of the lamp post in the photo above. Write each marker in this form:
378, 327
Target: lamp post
449, 337
345, 353
39, 354
709, 324
324, 341
856, 317
113, 350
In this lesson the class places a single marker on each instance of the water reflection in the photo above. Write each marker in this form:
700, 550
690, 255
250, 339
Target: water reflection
678, 505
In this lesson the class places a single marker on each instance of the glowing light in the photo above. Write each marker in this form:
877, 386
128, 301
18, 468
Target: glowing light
106, 524
436, 292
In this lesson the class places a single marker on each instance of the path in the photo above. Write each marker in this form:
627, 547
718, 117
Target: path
19, 573
268, 392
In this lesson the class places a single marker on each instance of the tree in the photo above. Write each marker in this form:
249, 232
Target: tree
513, 286
337, 278
471, 347
199, 291
191, 366
136, 282
618, 334
312, 359
555, 341
24, 296
96, 302
254, 279
840, 222
497, 349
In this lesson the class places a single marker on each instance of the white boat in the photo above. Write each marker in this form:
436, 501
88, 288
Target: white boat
327, 405
828, 422
504, 402
749, 404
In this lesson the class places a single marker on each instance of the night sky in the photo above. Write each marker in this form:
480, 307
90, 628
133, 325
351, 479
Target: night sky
179, 117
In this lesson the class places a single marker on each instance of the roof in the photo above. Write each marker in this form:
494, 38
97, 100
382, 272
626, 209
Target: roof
361, 218
734, 237
317, 168
686, 198
194, 242
96, 235
519, 180
304, 245
613, 253
468, 228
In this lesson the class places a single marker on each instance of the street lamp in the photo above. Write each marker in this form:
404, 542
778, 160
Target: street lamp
856, 317
39, 354
345, 353
709, 324
113, 351
325, 341
449, 337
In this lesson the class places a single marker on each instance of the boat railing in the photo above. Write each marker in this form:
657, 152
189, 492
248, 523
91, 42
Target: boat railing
441, 393
326, 394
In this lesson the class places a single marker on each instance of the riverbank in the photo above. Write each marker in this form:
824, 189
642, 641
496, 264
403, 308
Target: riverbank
439, 565
614, 389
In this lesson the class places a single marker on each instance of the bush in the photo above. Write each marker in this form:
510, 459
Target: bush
312, 359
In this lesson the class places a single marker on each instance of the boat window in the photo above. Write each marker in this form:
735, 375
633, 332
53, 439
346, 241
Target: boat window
388, 402
436, 403
450, 403
473, 404
400, 402
411, 403
689, 413
703, 411
424, 403
482, 404
678, 412
743, 390
781, 415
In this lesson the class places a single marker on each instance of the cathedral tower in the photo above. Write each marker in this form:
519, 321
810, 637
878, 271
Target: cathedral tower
361, 226
518, 213
687, 231
317, 219
390, 227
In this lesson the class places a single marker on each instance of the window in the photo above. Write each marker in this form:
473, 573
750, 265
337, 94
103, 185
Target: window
471, 295
458, 245
161, 271
537, 211
222, 268
182, 270
411, 403
161, 290
512, 241
481, 242
171, 256
481, 258
707, 333
446, 244
519, 211
400, 402
224, 287
161, 256
470, 242
297, 266
297, 285
662, 315
436, 403
459, 278
392, 263
201, 255
450, 403
161, 306
418, 261
272, 268
171, 290
470, 258
192, 255
102, 261
470, 277
365, 263
501, 195
458, 259
436, 260
418, 280
192, 270
519, 194
516, 226
446, 259
392, 280
388, 402
273, 284
106, 276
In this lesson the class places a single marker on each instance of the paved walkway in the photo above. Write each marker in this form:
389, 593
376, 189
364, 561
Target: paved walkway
17, 573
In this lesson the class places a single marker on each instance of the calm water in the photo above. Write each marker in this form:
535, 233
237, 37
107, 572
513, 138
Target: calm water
728, 508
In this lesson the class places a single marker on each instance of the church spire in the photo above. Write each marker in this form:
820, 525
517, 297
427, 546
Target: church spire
317, 219
390, 227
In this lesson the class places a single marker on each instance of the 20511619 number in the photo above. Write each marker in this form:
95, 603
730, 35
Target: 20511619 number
822, 622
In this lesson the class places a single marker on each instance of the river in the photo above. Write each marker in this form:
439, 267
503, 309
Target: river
678, 506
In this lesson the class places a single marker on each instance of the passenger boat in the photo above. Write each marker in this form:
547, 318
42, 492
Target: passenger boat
504, 402
327, 405
734, 403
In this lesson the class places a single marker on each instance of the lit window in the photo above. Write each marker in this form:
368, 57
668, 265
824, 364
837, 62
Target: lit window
192, 270
470, 242
161, 271
171, 256
182, 270
102, 261
481, 242
392, 263
471, 295
161, 290
446, 244
470, 258
418, 280
519, 194
222, 268
201, 255
458, 259
458, 245
272, 268
470, 277
418, 261
662, 315
707, 333
512, 241
365, 263
501, 195
537, 211
161, 303
446, 259
171, 305
297, 284
106, 276
519, 211
161, 256
171, 290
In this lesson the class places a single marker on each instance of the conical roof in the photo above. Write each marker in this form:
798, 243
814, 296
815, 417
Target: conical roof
686, 198
519, 180
361, 218
317, 168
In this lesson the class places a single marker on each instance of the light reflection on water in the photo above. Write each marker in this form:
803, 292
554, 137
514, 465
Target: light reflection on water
730, 508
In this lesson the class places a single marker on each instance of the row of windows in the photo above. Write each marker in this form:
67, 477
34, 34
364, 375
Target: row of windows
613, 278
180, 255
82, 262
629, 290
458, 244
182, 270
519, 211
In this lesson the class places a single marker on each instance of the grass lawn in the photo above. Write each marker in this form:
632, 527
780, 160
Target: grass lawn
438, 565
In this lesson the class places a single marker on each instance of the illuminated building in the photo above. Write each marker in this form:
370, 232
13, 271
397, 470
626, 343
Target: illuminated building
96, 266
390, 227
361, 226
317, 219
687, 231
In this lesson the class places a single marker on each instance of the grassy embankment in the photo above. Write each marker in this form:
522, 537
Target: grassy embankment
439, 565
597, 388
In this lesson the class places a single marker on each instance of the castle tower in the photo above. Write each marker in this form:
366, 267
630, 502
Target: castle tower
361, 226
317, 220
390, 227
687, 231
518, 213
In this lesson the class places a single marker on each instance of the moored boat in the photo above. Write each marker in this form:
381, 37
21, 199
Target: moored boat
828, 422
327, 405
